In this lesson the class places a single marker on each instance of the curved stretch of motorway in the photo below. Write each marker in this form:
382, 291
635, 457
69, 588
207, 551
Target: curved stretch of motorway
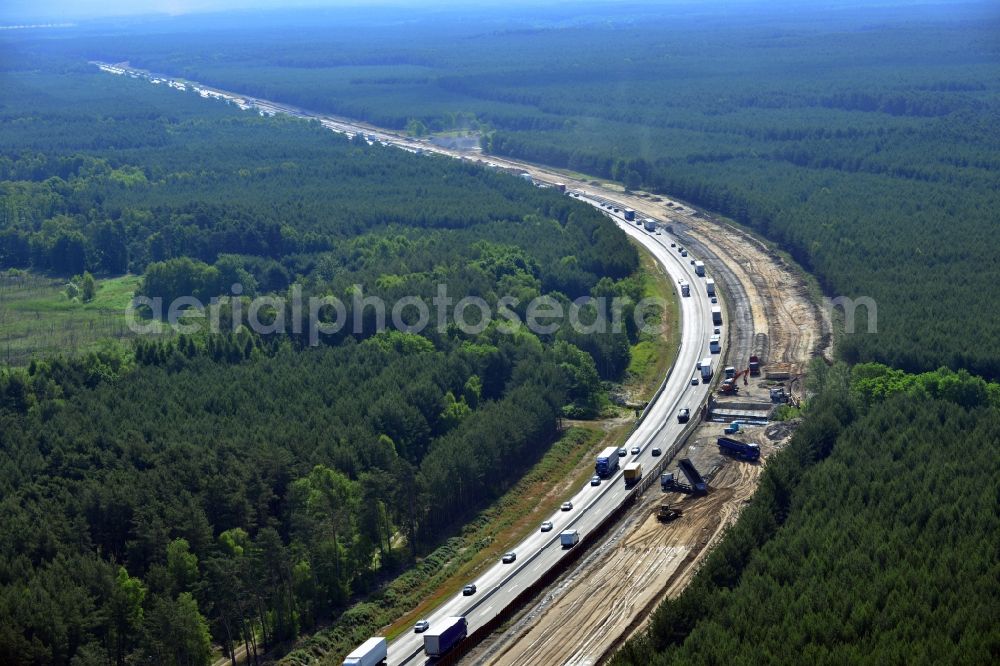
498, 586
537, 554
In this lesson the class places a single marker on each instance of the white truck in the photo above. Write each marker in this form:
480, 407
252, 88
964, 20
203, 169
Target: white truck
716, 315
569, 538
706, 369
710, 286
699, 268
370, 653
715, 345
445, 635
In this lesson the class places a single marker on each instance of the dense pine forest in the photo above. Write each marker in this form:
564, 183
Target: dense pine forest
239, 488
869, 540
863, 142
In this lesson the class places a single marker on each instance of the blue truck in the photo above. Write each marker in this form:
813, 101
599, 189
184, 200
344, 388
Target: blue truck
738, 449
438, 640
607, 462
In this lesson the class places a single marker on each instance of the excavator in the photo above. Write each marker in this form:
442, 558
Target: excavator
729, 386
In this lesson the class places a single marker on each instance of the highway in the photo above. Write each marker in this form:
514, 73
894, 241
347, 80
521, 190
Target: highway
498, 586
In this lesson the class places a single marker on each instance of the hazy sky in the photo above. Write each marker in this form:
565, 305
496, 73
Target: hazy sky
57, 11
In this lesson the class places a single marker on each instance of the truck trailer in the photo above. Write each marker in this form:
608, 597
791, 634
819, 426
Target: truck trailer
699, 268
738, 449
716, 315
450, 631
370, 653
633, 472
569, 538
715, 344
607, 462
706, 369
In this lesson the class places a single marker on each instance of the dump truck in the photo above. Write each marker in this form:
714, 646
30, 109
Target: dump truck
370, 653
629, 214
706, 369
710, 286
738, 449
699, 268
569, 538
698, 484
633, 472
754, 366
607, 462
445, 635
716, 315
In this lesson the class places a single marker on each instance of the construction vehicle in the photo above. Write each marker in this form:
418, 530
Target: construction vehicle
633, 472
754, 366
370, 653
778, 394
696, 484
607, 462
732, 428
729, 386
569, 538
439, 640
666, 513
738, 449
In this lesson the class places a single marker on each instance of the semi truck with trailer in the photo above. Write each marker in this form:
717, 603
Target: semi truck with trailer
738, 449
699, 268
706, 369
446, 635
633, 472
569, 538
716, 315
370, 653
607, 462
